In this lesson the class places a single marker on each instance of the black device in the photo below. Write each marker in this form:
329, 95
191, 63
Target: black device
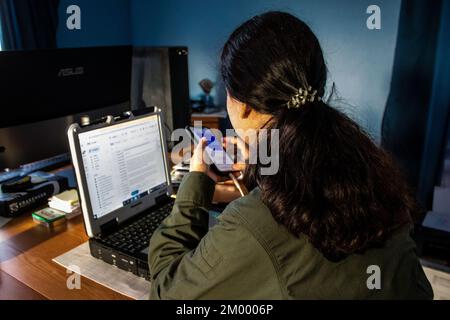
160, 78
17, 185
44, 91
126, 247
25, 169
124, 185
22, 194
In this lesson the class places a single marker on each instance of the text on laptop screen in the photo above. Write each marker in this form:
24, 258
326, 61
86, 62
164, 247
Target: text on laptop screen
122, 163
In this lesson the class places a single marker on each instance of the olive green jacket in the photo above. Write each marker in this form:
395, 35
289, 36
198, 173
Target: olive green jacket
248, 255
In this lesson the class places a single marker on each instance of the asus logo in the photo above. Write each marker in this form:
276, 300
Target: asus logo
69, 72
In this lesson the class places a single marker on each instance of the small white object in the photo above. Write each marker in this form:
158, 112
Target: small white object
118, 280
67, 201
441, 200
440, 281
437, 220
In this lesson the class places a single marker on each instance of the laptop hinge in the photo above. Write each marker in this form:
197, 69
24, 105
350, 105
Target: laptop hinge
161, 199
109, 227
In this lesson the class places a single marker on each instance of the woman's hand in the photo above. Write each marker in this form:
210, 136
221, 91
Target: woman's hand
241, 152
225, 191
198, 163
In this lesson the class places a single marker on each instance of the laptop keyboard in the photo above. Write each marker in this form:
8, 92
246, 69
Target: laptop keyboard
135, 237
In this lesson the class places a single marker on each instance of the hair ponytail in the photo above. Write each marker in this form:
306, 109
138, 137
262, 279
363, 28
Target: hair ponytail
334, 185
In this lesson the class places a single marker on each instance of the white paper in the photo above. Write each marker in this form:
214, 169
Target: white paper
441, 200
437, 220
103, 273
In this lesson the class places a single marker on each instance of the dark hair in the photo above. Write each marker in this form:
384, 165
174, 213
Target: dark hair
334, 185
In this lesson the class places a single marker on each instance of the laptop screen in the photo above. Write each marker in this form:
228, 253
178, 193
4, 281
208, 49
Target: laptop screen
122, 164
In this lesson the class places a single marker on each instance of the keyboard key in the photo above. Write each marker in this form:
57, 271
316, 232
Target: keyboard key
135, 237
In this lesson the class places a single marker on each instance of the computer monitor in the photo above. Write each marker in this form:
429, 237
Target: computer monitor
122, 164
44, 91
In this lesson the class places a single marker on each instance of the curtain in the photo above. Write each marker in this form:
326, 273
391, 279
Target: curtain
28, 24
413, 86
1, 37
436, 138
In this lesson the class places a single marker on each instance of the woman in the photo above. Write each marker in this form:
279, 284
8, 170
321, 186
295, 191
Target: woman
333, 222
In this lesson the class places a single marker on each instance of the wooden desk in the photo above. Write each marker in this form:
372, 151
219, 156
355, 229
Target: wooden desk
26, 267
12, 289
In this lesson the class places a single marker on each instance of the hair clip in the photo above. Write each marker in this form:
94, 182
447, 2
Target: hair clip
302, 97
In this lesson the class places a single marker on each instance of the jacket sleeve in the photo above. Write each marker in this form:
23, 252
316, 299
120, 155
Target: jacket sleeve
189, 262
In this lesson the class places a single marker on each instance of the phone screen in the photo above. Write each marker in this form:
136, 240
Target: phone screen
214, 149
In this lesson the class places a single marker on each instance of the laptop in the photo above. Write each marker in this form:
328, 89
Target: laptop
124, 184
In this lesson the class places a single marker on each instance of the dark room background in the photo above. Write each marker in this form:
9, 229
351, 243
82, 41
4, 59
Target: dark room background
360, 60
393, 81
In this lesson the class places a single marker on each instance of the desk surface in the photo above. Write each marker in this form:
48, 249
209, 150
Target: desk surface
26, 267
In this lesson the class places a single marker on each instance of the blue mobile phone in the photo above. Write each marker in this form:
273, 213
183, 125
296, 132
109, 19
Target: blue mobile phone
222, 161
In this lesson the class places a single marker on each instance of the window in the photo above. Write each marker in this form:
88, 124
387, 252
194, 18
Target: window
1, 37
444, 180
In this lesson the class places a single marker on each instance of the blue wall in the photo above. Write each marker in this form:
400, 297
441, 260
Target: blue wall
359, 60
104, 23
